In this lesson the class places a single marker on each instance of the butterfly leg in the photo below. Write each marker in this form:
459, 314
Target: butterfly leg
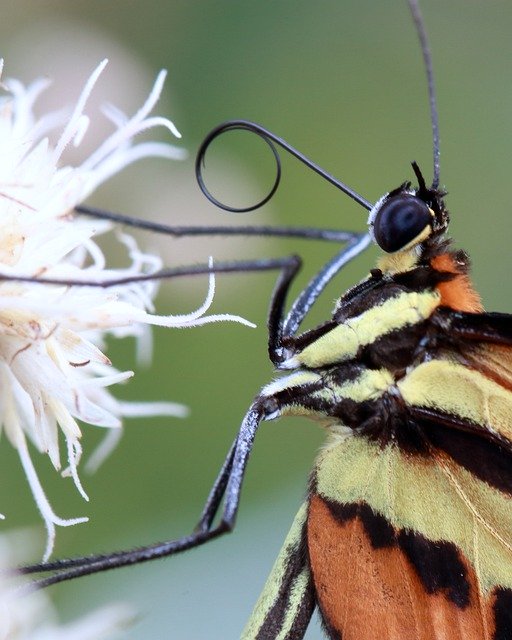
283, 329
228, 484
217, 491
227, 487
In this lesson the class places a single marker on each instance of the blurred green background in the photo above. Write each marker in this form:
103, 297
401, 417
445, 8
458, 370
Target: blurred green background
344, 82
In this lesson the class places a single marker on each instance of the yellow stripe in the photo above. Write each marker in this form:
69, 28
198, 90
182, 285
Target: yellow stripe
291, 381
270, 592
343, 342
456, 389
370, 385
437, 498
398, 262
299, 586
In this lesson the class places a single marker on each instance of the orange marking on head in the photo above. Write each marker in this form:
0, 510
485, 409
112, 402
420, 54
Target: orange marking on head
457, 293
366, 593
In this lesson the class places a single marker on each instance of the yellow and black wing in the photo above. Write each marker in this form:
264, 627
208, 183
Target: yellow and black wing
287, 602
411, 539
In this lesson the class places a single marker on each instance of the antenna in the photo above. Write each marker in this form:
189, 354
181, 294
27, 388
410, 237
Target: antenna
419, 23
271, 139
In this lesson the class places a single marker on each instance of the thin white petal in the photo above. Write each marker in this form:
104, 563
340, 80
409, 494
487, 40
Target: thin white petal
107, 381
118, 161
81, 129
146, 409
126, 131
49, 517
74, 454
71, 127
53, 370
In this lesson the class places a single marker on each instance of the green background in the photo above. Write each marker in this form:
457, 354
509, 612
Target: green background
344, 82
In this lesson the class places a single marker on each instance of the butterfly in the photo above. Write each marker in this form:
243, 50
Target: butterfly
405, 532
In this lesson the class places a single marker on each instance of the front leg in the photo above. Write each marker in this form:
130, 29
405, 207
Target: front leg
282, 329
226, 489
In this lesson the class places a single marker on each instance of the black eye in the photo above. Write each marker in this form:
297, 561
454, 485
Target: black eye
399, 220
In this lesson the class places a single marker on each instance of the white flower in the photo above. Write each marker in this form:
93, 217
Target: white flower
29, 615
52, 368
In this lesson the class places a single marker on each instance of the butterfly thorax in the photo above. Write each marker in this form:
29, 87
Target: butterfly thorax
351, 373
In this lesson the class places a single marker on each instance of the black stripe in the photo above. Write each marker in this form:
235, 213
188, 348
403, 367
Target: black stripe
330, 377
488, 460
377, 290
503, 614
303, 616
328, 628
297, 559
423, 278
480, 327
384, 420
438, 564
355, 306
415, 430
395, 350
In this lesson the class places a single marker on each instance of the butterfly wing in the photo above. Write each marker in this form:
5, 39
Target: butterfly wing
287, 601
416, 543
494, 328
404, 549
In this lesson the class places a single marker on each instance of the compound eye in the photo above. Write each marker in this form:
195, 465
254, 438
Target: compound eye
399, 221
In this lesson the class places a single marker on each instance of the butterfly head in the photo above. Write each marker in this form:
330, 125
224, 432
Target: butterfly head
408, 219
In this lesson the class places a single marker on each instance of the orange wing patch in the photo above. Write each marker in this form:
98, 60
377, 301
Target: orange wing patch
372, 582
458, 293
